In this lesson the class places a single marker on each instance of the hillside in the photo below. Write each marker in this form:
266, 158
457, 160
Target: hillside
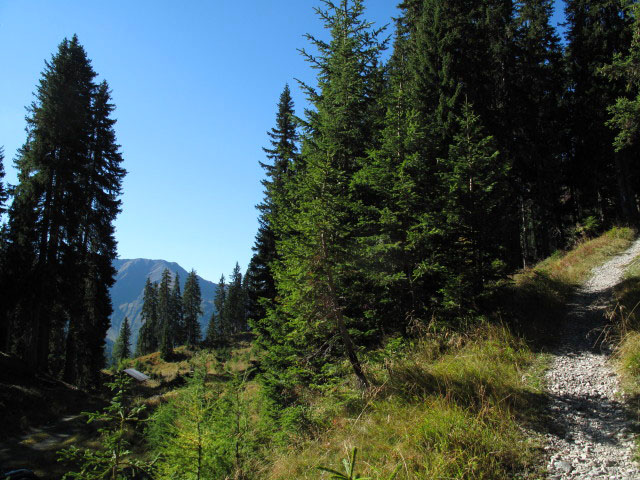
126, 293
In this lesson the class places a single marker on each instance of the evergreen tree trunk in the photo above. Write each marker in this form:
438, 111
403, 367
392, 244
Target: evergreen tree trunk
336, 312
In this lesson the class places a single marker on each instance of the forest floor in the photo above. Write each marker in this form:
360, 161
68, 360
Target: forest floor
40, 415
592, 435
37, 449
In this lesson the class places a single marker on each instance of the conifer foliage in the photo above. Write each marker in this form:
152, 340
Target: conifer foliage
477, 149
475, 178
122, 347
192, 298
3, 190
150, 331
625, 112
261, 288
318, 236
60, 239
597, 31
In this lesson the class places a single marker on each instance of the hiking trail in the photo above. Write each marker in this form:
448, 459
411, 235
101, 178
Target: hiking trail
593, 431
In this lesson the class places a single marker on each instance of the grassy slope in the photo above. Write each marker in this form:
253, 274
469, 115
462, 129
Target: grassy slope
537, 298
451, 415
454, 407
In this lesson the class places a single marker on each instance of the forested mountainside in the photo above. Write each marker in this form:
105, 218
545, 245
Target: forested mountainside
128, 289
424, 223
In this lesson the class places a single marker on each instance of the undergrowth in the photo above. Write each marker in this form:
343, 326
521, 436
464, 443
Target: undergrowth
452, 417
624, 333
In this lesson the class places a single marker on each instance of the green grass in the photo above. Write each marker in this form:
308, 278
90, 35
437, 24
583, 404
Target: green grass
625, 331
455, 416
628, 362
534, 303
574, 267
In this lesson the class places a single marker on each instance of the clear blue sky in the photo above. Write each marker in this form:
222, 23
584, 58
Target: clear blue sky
195, 85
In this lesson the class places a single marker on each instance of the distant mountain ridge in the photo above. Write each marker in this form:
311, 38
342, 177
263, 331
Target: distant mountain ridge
127, 292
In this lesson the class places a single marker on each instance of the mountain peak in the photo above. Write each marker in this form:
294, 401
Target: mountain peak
127, 291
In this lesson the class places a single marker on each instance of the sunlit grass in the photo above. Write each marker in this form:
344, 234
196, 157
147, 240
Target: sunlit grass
625, 331
574, 267
454, 416
535, 304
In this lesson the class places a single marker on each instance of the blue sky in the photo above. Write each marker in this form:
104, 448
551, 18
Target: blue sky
195, 85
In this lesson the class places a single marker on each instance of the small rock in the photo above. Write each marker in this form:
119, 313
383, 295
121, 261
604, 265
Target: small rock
563, 466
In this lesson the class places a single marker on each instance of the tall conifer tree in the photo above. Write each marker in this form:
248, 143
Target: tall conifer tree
4, 195
261, 287
625, 112
60, 237
148, 338
166, 328
599, 177
220, 324
192, 299
122, 347
177, 313
536, 128
234, 303
318, 259
4, 320
475, 176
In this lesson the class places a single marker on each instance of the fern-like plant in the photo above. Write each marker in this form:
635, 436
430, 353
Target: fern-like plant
349, 468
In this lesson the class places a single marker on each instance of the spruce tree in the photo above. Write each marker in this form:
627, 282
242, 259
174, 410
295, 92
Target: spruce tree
444, 52
122, 347
59, 126
475, 177
96, 245
282, 154
212, 337
191, 300
4, 320
60, 238
625, 112
166, 328
318, 246
148, 338
4, 195
536, 129
400, 178
234, 303
177, 313
221, 326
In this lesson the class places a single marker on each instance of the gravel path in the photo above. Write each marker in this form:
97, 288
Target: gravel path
593, 431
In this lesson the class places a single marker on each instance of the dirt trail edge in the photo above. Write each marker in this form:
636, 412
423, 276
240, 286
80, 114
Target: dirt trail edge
593, 433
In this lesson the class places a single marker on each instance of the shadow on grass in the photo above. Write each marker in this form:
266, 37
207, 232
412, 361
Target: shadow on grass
534, 307
469, 390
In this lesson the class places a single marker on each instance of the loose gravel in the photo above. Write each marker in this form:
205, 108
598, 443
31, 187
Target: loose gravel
593, 434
